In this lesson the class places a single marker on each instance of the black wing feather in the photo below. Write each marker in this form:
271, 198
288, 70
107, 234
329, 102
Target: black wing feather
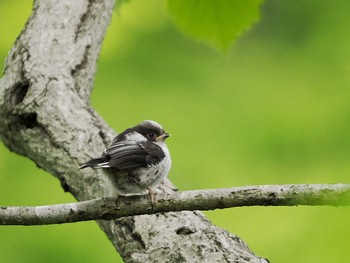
128, 155
154, 153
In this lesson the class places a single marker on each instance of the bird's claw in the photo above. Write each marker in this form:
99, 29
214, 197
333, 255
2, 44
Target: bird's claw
152, 195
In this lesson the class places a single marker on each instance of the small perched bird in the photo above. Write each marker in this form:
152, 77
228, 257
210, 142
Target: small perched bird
137, 160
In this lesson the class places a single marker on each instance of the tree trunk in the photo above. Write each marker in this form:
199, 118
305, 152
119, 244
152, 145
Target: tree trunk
46, 115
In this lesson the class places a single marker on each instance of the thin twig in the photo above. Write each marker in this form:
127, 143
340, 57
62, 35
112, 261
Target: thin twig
108, 208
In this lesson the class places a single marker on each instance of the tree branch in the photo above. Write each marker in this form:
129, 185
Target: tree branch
108, 208
46, 115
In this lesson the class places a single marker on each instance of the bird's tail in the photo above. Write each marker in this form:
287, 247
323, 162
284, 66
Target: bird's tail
95, 163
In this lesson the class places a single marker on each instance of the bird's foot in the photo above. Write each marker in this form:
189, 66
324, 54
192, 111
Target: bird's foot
152, 195
117, 201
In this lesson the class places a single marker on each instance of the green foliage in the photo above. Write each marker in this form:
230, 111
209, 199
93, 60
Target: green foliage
120, 3
276, 111
218, 22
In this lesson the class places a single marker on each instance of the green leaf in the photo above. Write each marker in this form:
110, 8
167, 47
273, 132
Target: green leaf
218, 22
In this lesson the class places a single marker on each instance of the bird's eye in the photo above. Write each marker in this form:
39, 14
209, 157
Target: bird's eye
151, 134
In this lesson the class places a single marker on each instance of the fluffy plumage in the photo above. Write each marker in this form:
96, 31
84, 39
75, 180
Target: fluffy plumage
137, 160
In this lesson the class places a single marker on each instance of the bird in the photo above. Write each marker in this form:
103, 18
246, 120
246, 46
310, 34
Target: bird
137, 161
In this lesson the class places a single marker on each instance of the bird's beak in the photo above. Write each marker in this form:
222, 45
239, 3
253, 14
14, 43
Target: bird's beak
162, 137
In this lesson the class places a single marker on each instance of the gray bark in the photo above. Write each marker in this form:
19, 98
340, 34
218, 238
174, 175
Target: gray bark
46, 115
108, 208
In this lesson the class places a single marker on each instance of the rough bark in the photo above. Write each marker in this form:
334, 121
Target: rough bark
108, 208
46, 115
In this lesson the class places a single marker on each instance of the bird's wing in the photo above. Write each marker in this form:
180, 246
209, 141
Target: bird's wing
131, 155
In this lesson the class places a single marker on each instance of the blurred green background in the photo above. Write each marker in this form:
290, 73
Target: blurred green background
275, 110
